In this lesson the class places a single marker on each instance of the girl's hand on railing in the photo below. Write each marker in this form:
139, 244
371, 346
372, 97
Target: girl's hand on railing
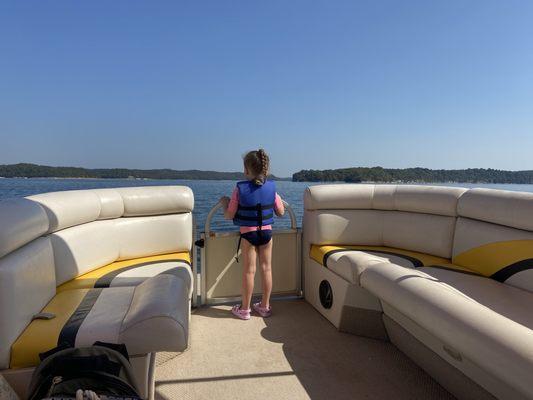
224, 200
281, 211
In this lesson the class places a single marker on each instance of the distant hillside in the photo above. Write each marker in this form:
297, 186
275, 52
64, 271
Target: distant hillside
43, 171
378, 174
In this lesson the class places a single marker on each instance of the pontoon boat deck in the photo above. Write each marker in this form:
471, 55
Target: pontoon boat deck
386, 291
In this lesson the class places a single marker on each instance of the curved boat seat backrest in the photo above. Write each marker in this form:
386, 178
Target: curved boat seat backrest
82, 248
418, 218
50, 238
21, 221
484, 230
76, 207
494, 235
90, 229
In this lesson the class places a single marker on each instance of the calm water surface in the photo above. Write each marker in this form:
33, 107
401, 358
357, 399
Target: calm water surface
206, 193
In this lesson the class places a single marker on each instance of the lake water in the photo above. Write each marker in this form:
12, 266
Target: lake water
206, 193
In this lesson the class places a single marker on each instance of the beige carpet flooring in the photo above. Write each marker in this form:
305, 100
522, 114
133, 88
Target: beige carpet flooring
295, 354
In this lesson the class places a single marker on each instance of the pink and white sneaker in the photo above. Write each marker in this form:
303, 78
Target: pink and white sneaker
265, 312
240, 313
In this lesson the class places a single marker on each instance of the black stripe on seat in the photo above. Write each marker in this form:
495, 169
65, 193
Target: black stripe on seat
245, 218
505, 273
105, 280
415, 261
67, 336
255, 208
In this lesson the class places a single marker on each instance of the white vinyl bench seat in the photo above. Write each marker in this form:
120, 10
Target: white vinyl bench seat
444, 273
483, 321
111, 265
152, 316
133, 272
350, 261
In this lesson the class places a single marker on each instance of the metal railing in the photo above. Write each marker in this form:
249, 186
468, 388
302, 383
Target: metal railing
218, 206
208, 234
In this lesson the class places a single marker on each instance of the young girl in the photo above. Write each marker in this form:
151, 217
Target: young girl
251, 207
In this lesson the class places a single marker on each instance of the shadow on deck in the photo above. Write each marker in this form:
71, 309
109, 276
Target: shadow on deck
295, 354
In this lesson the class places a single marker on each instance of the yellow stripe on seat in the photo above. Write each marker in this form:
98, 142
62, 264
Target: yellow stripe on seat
89, 279
319, 252
42, 335
490, 258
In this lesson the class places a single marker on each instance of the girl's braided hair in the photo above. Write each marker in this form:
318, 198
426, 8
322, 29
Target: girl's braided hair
257, 163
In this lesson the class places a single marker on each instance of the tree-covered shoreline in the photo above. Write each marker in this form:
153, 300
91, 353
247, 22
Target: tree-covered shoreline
356, 174
421, 175
25, 170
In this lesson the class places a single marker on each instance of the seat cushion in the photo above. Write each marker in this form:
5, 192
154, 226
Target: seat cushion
350, 261
152, 316
485, 321
133, 272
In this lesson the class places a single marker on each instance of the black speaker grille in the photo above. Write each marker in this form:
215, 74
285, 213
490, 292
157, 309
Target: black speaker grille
326, 294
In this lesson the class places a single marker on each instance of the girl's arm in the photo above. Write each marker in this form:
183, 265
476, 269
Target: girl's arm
230, 205
279, 208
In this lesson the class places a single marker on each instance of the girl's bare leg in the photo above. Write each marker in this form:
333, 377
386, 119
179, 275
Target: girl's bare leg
249, 256
265, 260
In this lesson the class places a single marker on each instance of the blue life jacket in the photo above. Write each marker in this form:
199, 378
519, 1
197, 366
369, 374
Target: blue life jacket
256, 204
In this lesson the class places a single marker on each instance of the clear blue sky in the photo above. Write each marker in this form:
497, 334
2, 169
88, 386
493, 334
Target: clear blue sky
319, 84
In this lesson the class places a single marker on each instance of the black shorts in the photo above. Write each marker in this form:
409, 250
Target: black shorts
259, 237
